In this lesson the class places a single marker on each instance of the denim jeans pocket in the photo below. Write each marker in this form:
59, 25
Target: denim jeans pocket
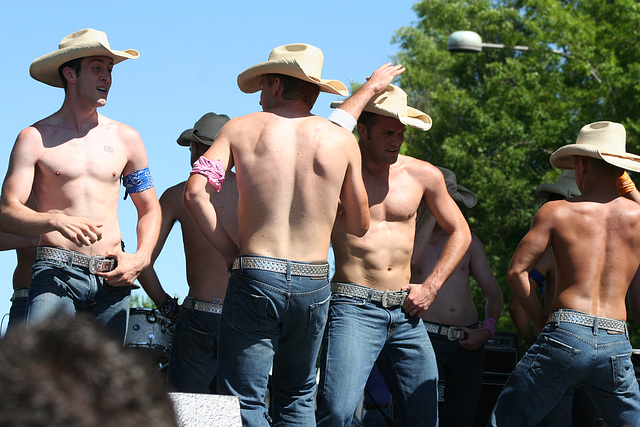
553, 359
318, 313
249, 311
623, 372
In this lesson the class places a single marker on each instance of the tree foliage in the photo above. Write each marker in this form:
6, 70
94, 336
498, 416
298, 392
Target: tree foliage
499, 114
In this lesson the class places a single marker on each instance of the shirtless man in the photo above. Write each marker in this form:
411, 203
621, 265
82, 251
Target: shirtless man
193, 357
74, 160
596, 243
295, 172
452, 319
543, 276
369, 317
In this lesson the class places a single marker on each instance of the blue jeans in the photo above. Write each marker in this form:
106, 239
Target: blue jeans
357, 334
462, 372
565, 356
18, 311
574, 409
193, 361
271, 319
57, 286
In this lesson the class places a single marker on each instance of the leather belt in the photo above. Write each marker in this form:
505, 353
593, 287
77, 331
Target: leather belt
387, 299
95, 263
578, 318
452, 332
320, 269
20, 293
207, 307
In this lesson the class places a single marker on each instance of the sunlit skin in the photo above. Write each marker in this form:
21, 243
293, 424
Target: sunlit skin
396, 185
73, 161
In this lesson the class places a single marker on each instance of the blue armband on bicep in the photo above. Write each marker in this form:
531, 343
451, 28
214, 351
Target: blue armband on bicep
137, 181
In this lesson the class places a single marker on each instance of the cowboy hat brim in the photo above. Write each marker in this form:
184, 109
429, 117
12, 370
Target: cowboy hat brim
45, 68
249, 79
563, 157
545, 189
464, 195
414, 118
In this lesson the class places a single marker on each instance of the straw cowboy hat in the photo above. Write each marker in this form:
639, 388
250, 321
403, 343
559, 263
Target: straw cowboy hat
205, 130
392, 102
299, 60
83, 43
462, 194
600, 140
565, 186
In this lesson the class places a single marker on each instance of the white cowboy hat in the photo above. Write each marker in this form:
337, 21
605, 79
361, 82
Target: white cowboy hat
83, 43
299, 60
205, 130
565, 186
462, 194
600, 140
392, 102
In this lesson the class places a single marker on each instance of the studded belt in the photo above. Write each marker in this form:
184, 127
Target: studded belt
452, 332
207, 307
95, 263
20, 293
387, 299
577, 318
319, 269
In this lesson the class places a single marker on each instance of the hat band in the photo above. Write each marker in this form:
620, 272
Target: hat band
621, 157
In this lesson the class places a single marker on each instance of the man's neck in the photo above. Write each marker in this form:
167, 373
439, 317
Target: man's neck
290, 109
78, 117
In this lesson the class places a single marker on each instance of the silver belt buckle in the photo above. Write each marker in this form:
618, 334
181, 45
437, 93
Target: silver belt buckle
93, 261
454, 330
388, 299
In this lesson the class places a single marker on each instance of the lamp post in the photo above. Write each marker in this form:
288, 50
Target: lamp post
471, 42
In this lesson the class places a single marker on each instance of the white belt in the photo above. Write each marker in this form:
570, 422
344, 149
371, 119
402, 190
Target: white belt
452, 332
577, 318
207, 307
320, 269
95, 263
387, 299
20, 293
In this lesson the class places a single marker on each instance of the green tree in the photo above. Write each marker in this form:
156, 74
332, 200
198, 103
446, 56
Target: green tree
499, 114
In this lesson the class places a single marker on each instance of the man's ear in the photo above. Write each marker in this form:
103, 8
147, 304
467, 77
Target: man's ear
69, 74
363, 132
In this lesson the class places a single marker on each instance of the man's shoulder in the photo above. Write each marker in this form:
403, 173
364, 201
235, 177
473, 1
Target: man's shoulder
418, 168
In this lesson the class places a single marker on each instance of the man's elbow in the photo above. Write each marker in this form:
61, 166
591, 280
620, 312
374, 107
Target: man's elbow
359, 228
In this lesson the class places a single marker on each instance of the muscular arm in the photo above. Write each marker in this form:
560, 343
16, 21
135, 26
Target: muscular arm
148, 225
526, 256
481, 270
379, 80
451, 220
198, 193
353, 196
17, 217
148, 278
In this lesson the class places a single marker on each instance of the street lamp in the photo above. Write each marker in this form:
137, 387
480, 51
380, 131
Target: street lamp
470, 41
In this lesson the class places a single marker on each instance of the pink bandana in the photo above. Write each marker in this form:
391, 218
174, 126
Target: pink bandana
213, 171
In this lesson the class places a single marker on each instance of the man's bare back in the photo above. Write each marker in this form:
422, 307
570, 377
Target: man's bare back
290, 173
597, 252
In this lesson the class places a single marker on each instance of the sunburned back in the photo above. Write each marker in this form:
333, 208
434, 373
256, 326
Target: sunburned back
597, 252
289, 173
79, 175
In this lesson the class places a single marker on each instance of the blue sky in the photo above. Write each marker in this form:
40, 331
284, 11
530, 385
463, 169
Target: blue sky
190, 55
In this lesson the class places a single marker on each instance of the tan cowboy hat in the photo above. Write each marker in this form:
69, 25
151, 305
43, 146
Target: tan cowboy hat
600, 140
299, 60
83, 43
392, 102
565, 186
462, 194
205, 130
